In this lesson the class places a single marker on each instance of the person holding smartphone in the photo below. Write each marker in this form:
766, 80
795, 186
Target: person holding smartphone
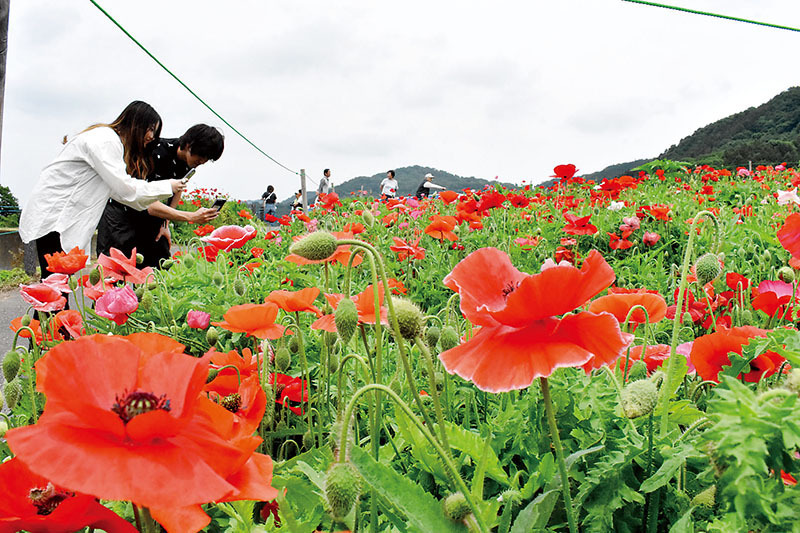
148, 231
99, 163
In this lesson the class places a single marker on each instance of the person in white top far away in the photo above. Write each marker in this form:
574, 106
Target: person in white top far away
101, 162
389, 185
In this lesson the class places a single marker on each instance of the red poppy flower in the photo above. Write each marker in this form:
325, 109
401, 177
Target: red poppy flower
289, 391
66, 262
354, 227
209, 253
341, 256
270, 218
650, 238
441, 228
93, 292
247, 403
518, 200
71, 322
578, 226
774, 296
448, 197
710, 353
619, 243
136, 424
733, 279
248, 268
244, 213
117, 267
565, 171
227, 380
528, 242
202, 231
521, 337
257, 252
620, 305
405, 250
226, 238
396, 286
31, 503
490, 200
654, 356
695, 309
328, 201
43, 297
257, 320
365, 305
296, 301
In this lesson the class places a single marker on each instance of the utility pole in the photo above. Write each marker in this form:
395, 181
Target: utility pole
4, 7
303, 188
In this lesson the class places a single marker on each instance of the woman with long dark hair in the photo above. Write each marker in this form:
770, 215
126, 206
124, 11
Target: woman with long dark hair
101, 162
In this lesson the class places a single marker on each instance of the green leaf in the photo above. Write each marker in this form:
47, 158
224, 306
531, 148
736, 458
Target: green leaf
669, 467
420, 447
422, 511
536, 514
685, 524
473, 445
684, 413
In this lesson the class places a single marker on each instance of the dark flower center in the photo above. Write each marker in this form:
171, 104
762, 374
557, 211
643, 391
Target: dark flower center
47, 499
232, 402
138, 402
509, 288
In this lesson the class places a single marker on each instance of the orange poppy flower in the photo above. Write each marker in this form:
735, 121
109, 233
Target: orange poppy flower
355, 228
247, 402
16, 325
227, 380
257, 320
578, 226
43, 297
710, 353
296, 301
66, 262
448, 197
117, 267
365, 305
136, 424
521, 337
32, 503
407, 250
441, 228
620, 305
71, 322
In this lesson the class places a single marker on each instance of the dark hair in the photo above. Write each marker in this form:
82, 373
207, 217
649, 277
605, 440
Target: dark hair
203, 141
300, 191
325, 172
270, 188
391, 172
132, 125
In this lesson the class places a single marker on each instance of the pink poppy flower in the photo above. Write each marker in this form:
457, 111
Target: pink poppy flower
43, 297
650, 238
117, 304
59, 282
198, 319
227, 238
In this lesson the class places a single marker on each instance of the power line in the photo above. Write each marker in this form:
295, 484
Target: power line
160, 64
717, 15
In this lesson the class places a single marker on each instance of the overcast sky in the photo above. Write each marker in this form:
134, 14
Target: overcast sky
506, 88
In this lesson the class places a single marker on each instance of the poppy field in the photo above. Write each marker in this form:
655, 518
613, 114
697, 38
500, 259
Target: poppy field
603, 356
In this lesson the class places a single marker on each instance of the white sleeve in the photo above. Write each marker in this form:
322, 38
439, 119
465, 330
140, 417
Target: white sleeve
431, 185
138, 194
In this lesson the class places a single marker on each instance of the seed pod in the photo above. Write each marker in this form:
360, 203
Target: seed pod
316, 246
409, 318
346, 318
456, 507
342, 489
449, 338
11, 365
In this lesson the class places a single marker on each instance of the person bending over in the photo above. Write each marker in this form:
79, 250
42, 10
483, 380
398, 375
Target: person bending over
148, 231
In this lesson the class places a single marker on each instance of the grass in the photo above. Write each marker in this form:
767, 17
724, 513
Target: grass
10, 279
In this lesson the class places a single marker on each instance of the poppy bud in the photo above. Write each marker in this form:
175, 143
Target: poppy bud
449, 338
167, 264
283, 359
139, 259
12, 393
294, 344
639, 398
11, 365
238, 287
341, 490
188, 260
456, 507
747, 317
333, 363
786, 274
94, 276
439, 377
308, 440
346, 318
329, 338
793, 381
432, 334
25, 321
212, 336
511, 497
396, 386
139, 292
705, 498
72, 283
3, 427
369, 219
409, 318
767, 256
146, 302
212, 375
707, 268
687, 320
316, 246
217, 279
637, 371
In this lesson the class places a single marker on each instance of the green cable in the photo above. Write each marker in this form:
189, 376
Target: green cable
737, 19
160, 64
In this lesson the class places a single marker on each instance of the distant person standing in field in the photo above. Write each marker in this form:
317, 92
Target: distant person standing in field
389, 185
324, 185
426, 187
268, 200
297, 205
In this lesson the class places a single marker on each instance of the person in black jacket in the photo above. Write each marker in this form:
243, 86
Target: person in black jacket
425, 188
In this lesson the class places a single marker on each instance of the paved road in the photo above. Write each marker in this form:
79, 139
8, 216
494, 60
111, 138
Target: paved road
11, 306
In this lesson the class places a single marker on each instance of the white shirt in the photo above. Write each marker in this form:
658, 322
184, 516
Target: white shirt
324, 186
388, 186
73, 190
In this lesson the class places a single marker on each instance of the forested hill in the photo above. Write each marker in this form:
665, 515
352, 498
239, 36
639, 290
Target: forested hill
766, 135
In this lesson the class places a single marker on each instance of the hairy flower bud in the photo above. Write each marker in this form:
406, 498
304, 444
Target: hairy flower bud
707, 268
368, 217
212, 336
146, 302
283, 359
449, 338
308, 440
294, 344
786, 274
342, 489
94, 276
212, 375
217, 279
409, 318
188, 260
3, 427
11, 365
639, 398
239, 287
139, 259
166, 264
25, 321
316, 246
637, 370
12, 392
432, 334
456, 507
346, 318
333, 363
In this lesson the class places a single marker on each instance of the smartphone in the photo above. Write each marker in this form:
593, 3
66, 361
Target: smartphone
188, 175
218, 203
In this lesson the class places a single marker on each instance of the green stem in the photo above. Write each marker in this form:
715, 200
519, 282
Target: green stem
562, 464
426, 355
